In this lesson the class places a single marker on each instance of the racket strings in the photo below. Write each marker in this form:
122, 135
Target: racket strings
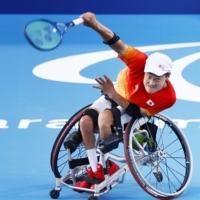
43, 35
46, 35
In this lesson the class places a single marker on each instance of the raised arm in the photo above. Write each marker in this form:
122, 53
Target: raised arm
106, 34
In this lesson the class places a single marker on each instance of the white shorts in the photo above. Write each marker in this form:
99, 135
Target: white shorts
101, 104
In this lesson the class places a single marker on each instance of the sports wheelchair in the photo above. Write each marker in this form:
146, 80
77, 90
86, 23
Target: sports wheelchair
163, 171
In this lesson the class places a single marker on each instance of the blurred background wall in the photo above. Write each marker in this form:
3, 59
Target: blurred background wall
100, 6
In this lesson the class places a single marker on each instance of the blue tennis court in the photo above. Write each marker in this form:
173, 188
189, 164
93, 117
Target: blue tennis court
41, 90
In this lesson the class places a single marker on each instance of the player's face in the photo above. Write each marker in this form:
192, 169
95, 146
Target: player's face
154, 83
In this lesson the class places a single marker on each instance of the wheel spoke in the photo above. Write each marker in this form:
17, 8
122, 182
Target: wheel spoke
59, 157
168, 169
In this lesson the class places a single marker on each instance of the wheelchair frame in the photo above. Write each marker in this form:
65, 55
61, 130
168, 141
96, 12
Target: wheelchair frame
163, 172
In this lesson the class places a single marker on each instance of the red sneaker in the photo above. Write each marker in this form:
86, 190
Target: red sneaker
111, 170
99, 173
84, 184
92, 178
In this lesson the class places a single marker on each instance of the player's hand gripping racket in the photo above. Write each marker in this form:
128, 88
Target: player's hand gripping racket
45, 35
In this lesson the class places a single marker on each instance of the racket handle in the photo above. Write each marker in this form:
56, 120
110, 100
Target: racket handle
78, 21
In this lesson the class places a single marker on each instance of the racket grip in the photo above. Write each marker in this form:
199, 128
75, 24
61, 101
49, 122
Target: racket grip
78, 21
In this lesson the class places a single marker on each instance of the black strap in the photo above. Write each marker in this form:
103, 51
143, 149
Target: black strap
133, 110
117, 121
113, 103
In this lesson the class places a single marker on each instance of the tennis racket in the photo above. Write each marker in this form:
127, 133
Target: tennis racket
47, 35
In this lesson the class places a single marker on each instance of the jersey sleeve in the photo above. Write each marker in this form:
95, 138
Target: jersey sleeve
135, 60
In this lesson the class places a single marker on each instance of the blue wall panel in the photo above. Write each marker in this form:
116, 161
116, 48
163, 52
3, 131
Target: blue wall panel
100, 7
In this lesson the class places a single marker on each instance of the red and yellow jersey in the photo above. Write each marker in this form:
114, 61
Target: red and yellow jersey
130, 84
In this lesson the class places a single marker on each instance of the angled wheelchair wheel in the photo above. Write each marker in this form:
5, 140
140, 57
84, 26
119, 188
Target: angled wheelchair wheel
162, 163
59, 157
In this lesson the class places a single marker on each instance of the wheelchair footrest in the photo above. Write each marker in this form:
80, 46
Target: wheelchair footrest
109, 143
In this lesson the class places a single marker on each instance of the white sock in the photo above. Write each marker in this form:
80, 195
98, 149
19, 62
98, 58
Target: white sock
105, 158
91, 153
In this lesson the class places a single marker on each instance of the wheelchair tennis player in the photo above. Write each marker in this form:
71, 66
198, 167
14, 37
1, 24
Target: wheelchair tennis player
142, 89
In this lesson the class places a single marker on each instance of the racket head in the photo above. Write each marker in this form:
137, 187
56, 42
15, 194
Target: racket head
43, 34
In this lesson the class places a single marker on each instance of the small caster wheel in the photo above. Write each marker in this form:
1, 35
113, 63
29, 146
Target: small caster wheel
54, 194
92, 197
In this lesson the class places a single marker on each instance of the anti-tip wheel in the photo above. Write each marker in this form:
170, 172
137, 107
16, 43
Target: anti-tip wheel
92, 197
54, 194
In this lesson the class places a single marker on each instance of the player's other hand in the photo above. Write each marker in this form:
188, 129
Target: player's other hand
106, 85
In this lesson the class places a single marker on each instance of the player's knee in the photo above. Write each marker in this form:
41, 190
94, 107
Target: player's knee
86, 123
89, 120
105, 120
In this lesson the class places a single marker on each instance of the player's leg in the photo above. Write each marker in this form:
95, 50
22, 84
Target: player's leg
87, 124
